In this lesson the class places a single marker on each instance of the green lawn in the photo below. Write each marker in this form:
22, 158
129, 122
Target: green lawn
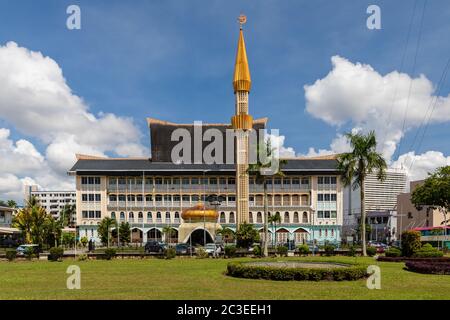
185, 278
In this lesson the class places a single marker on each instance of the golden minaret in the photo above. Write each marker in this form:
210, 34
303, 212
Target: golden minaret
242, 122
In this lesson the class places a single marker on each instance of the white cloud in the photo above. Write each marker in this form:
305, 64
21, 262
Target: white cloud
357, 94
418, 166
277, 142
36, 100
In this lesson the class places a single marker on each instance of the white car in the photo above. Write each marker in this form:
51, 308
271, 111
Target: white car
212, 249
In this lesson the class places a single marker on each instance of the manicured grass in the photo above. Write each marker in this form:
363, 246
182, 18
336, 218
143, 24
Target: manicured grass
185, 278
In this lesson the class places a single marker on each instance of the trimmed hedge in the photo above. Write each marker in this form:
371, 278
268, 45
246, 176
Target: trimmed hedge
56, 254
110, 253
11, 254
393, 252
241, 270
303, 250
427, 251
371, 251
282, 251
170, 253
230, 251
429, 267
404, 259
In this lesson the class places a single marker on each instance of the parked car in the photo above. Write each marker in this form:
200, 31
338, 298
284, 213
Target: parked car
155, 246
381, 247
184, 248
22, 248
213, 249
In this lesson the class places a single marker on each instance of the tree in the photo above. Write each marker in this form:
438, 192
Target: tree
104, 229
66, 214
68, 239
168, 232
357, 164
226, 233
246, 236
273, 222
11, 204
125, 232
262, 173
434, 192
410, 243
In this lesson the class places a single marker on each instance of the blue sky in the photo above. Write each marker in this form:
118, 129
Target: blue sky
174, 59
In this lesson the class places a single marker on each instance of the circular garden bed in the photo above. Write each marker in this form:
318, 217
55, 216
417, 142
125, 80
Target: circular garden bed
297, 270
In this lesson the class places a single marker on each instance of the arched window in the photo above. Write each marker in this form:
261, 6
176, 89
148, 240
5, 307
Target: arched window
122, 215
305, 217
326, 232
131, 215
320, 232
113, 215
140, 215
259, 217
158, 216
167, 216
296, 217
286, 217
250, 217
149, 216
177, 215
222, 217
231, 220
332, 232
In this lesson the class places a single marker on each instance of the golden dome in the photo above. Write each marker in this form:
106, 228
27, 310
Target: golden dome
199, 213
241, 79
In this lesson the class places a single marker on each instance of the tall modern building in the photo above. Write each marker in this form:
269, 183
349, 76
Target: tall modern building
52, 201
153, 193
380, 204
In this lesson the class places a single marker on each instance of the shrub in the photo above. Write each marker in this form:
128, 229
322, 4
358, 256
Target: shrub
371, 251
11, 254
84, 241
329, 250
351, 251
257, 251
282, 250
201, 253
428, 251
56, 254
410, 243
230, 251
170, 253
110, 253
429, 267
241, 270
303, 250
29, 253
83, 257
393, 252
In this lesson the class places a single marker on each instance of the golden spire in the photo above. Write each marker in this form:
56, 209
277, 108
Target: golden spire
241, 79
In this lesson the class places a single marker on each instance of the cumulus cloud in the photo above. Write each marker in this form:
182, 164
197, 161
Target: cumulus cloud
36, 100
356, 94
277, 142
419, 166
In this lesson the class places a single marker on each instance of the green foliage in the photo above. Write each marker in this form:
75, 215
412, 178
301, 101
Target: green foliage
83, 257
371, 251
428, 251
329, 249
230, 251
227, 234
84, 241
29, 253
56, 254
351, 251
104, 229
410, 243
393, 252
124, 232
303, 250
170, 253
200, 253
435, 191
282, 251
68, 239
110, 253
241, 270
246, 236
257, 251
11, 254
66, 214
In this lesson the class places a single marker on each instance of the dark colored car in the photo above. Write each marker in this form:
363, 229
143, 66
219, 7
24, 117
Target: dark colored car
155, 246
184, 248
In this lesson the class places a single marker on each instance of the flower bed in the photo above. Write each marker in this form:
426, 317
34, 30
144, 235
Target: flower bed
429, 267
310, 271
405, 259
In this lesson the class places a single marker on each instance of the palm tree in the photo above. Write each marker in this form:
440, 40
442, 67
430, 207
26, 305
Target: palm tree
11, 204
104, 229
168, 231
226, 233
357, 164
67, 213
257, 169
273, 221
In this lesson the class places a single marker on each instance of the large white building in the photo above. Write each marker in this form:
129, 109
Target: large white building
52, 201
380, 205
